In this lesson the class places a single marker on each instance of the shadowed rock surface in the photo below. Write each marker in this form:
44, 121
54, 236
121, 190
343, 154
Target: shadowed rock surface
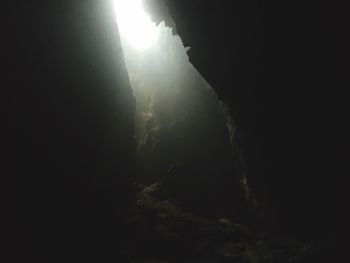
164, 232
69, 150
272, 64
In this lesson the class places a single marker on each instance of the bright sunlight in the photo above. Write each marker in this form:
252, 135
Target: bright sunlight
134, 24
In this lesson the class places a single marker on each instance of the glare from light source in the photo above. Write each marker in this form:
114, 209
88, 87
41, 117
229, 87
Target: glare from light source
134, 24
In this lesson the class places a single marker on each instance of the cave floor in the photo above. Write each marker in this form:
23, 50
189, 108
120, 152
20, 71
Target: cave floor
163, 232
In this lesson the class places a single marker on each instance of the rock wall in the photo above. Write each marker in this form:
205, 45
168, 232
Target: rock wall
271, 64
185, 134
69, 130
227, 140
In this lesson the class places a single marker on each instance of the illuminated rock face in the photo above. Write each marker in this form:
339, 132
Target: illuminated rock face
179, 119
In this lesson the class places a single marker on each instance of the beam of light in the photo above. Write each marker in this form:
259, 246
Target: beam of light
134, 24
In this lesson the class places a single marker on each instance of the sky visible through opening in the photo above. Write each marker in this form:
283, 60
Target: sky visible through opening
135, 26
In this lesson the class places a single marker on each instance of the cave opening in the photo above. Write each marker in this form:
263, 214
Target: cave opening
73, 187
184, 133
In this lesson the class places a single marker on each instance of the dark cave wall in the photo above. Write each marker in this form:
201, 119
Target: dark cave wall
59, 130
69, 129
272, 64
